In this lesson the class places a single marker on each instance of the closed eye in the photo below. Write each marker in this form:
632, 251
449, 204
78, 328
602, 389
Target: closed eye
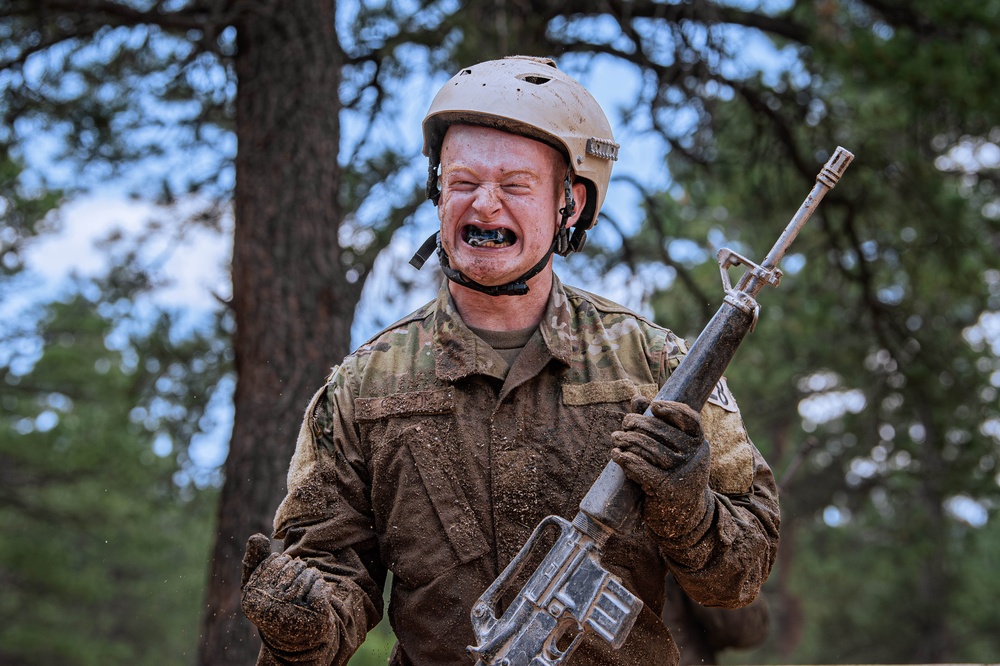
462, 185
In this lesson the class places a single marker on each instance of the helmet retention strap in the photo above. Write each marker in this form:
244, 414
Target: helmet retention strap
564, 243
518, 287
431, 189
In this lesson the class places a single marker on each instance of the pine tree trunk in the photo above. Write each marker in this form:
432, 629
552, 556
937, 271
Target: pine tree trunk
933, 589
292, 304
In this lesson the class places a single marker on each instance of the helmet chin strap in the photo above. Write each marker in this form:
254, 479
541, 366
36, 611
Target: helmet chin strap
517, 287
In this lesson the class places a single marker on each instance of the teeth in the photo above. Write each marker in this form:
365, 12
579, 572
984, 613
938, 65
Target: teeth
477, 237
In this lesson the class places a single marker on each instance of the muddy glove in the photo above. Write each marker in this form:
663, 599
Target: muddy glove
290, 604
668, 456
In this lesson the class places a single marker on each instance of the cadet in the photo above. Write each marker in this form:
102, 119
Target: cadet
436, 448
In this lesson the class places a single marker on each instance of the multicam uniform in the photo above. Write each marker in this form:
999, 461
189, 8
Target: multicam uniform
426, 456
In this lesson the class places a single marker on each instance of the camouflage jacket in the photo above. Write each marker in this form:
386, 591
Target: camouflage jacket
426, 457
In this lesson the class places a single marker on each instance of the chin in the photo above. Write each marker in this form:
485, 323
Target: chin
489, 273
489, 278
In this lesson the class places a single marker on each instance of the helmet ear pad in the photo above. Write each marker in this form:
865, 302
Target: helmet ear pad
589, 215
572, 238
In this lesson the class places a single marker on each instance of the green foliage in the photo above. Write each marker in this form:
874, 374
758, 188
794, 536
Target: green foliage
860, 383
104, 554
21, 212
112, 91
377, 647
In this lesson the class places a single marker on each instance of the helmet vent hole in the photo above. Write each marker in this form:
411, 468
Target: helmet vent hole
537, 80
464, 72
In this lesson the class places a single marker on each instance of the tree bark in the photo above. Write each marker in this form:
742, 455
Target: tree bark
292, 303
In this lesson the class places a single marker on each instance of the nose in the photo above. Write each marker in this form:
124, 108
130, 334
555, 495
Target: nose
487, 201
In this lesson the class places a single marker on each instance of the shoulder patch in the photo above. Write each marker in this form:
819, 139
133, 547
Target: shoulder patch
722, 397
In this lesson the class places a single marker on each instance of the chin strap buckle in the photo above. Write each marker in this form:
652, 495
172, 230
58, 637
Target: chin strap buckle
424, 252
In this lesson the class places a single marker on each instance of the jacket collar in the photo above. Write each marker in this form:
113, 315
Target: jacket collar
459, 352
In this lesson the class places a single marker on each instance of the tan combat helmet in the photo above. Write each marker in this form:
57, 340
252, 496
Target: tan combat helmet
531, 97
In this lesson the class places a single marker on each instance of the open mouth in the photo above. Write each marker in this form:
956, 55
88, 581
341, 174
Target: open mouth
478, 237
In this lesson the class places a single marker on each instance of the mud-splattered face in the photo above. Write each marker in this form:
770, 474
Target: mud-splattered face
500, 200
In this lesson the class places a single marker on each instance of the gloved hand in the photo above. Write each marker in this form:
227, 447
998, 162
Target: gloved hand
289, 602
668, 456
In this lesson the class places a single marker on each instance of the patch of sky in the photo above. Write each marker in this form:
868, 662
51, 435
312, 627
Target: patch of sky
163, 445
967, 510
208, 448
826, 406
970, 155
396, 127
211, 78
793, 263
819, 381
46, 421
152, 127
382, 300
44, 146
629, 286
892, 294
686, 251
20, 352
985, 334
835, 516
189, 265
602, 29
752, 53
861, 469
680, 121
616, 87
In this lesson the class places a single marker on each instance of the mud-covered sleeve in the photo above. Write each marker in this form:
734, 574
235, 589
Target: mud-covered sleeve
725, 563
326, 518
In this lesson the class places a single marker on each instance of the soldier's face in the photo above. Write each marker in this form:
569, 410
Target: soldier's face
500, 200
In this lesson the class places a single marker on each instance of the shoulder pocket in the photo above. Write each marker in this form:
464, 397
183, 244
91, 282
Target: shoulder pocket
415, 403
595, 393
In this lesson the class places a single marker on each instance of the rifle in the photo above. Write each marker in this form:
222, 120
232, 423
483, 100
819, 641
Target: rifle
571, 594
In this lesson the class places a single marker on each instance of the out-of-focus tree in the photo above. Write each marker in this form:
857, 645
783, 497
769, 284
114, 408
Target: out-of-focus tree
231, 105
22, 212
106, 532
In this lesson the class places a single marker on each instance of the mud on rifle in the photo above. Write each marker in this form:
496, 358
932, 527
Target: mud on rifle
570, 594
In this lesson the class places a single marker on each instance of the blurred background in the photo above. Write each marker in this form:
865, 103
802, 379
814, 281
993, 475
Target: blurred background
206, 204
